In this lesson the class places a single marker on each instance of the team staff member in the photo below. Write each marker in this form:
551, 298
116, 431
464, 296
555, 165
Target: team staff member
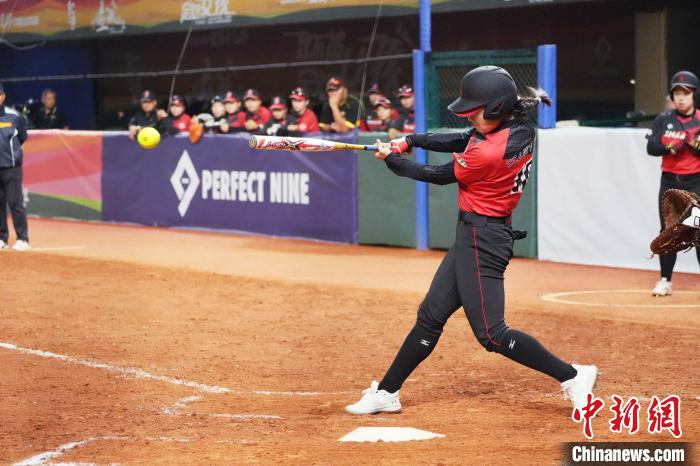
277, 125
405, 123
301, 119
147, 116
49, 117
178, 121
490, 166
381, 117
675, 136
13, 133
255, 114
342, 112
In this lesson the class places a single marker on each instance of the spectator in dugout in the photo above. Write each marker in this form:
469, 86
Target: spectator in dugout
301, 119
177, 121
405, 123
49, 117
219, 123
380, 118
232, 104
255, 114
147, 116
277, 125
342, 112
374, 94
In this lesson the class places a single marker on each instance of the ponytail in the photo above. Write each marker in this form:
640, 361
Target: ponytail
529, 103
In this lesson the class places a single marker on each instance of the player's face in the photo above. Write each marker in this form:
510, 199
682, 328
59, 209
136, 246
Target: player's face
483, 125
407, 103
683, 99
374, 98
383, 113
49, 100
176, 110
252, 105
2, 98
217, 109
232, 107
299, 106
279, 113
148, 105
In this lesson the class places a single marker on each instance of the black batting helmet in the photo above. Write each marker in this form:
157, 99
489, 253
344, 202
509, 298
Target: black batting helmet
686, 80
490, 87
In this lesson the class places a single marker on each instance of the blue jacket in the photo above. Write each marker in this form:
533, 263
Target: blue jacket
13, 133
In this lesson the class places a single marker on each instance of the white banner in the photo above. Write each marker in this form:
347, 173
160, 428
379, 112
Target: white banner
597, 195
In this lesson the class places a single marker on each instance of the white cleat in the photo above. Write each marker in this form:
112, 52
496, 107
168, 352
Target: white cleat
21, 245
376, 401
578, 388
663, 288
3, 245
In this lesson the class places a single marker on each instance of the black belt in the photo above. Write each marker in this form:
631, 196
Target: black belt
478, 219
680, 178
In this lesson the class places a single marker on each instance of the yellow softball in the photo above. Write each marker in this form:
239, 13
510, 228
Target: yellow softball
148, 138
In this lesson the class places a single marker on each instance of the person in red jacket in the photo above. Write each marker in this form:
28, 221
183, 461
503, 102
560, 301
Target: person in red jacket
490, 164
255, 114
380, 118
405, 123
301, 119
178, 121
675, 136
232, 105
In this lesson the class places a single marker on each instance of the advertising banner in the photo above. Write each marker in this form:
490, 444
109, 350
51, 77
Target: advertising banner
220, 183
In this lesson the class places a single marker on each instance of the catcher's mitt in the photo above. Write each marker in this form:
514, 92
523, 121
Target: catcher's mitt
196, 132
681, 210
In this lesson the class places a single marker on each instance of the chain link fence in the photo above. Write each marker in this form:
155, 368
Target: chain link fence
446, 69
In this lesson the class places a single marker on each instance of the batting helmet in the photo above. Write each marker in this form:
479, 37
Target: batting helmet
686, 80
490, 87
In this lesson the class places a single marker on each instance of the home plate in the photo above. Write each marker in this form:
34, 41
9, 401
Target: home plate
388, 434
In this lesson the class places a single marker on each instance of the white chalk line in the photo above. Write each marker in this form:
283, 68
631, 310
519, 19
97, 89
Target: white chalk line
141, 374
58, 248
179, 405
246, 416
556, 298
42, 458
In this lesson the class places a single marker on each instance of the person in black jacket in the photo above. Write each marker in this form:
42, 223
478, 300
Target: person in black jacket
49, 116
675, 136
13, 133
147, 116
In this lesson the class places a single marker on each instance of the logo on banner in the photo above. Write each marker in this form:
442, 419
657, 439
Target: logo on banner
185, 182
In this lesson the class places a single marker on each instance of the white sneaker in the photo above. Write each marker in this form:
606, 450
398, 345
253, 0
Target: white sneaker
21, 245
3, 245
376, 401
662, 288
578, 388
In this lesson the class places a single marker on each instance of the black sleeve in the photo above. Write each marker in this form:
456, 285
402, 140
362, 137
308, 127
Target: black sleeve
440, 142
167, 127
654, 145
61, 119
397, 123
21, 130
326, 115
436, 174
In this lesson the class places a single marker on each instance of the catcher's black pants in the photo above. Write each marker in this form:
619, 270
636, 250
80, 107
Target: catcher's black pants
11, 195
471, 276
672, 181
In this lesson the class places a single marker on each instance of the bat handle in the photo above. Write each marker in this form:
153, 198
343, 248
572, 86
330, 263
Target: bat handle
372, 148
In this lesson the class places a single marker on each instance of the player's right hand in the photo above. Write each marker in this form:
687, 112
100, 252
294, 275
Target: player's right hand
675, 146
400, 146
383, 150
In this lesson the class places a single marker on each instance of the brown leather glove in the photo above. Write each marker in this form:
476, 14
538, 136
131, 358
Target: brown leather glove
681, 210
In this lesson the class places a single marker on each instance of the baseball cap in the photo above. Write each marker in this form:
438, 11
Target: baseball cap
406, 91
177, 100
386, 103
686, 80
374, 89
147, 96
251, 94
298, 93
277, 102
216, 98
333, 84
231, 97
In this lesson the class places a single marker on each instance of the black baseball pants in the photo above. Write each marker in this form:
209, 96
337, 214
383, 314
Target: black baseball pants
471, 276
11, 195
689, 183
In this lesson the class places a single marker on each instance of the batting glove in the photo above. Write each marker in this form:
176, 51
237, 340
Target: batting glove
675, 146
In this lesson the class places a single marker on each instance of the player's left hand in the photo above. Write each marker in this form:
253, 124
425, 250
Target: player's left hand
383, 150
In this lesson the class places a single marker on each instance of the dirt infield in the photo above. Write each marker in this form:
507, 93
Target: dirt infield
135, 345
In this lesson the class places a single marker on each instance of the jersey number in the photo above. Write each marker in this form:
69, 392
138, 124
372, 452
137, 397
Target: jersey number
521, 178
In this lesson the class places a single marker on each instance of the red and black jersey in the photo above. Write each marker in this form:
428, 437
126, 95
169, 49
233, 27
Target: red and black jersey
405, 123
181, 123
262, 116
669, 127
234, 119
275, 127
490, 169
306, 122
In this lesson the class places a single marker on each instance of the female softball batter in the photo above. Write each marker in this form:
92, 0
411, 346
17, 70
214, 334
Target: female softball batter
491, 164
